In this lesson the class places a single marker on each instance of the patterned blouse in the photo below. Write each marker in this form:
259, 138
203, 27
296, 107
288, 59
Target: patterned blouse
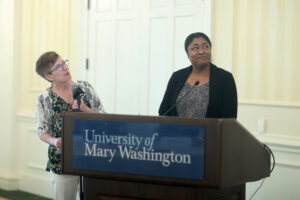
49, 113
195, 103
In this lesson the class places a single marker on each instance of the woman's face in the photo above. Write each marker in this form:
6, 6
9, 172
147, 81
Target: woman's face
199, 52
60, 71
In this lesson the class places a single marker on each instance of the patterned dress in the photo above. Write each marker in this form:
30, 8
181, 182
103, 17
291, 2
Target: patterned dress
49, 113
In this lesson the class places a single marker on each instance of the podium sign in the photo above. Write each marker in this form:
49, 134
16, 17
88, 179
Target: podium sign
166, 150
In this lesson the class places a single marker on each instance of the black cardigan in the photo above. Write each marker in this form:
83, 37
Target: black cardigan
222, 93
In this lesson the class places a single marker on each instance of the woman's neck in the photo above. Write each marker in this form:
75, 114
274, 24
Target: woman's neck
203, 69
200, 73
63, 90
62, 86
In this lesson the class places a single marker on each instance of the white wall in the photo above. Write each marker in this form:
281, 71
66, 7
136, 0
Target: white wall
33, 156
280, 134
28, 29
258, 42
9, 139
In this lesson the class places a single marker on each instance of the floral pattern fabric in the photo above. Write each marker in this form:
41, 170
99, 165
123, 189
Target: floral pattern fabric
49, 113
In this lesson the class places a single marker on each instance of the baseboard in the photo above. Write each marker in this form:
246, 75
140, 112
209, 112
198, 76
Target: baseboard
9, 180
39, 185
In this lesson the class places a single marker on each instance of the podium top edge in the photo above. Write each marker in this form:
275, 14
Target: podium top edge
148, 118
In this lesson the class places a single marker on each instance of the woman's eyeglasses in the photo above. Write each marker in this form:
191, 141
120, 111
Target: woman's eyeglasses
60, 66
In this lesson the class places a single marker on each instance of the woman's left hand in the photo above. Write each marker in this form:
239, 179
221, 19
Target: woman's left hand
83, 106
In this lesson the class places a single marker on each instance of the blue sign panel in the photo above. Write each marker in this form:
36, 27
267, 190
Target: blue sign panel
139, 148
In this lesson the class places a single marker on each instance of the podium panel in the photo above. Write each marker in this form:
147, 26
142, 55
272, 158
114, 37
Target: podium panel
102, 189
202, 156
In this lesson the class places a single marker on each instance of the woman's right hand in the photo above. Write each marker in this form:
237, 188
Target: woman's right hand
57, 142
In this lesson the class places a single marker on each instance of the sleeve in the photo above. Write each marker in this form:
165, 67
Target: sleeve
167, 99
229, 100
43, 125
93, 98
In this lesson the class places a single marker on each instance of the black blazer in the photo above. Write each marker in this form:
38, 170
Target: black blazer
222, 93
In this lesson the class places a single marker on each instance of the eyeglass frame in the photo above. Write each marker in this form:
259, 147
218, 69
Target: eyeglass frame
59, 66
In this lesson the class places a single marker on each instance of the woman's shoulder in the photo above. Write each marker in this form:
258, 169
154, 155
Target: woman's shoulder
220, 71
180, 72
180, 75
44, 93
84, 84
44, 98
186, 69
81, 82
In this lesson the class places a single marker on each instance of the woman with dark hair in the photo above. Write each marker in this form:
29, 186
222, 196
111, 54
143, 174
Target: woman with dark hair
51, 104
202, 89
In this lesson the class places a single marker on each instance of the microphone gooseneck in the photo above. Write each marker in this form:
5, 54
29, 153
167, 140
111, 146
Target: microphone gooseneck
195, 84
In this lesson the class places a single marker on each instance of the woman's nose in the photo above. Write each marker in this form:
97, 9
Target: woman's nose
200, 50
65, 66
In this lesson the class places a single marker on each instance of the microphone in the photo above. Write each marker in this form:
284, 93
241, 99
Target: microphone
195, 84
76, 90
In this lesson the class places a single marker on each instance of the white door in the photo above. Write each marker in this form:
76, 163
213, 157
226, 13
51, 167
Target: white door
133, 46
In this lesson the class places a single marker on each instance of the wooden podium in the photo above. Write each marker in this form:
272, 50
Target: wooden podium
207, 158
